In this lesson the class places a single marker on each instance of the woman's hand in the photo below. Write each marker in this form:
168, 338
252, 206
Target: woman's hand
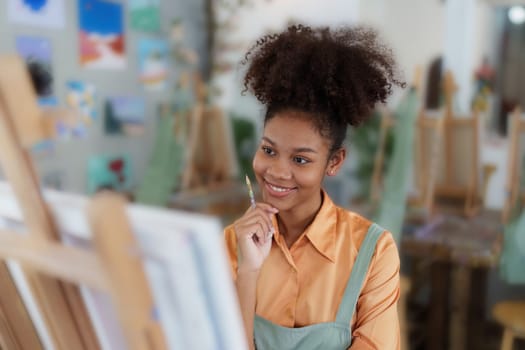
254, 231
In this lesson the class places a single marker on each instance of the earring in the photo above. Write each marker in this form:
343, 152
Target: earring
331, 172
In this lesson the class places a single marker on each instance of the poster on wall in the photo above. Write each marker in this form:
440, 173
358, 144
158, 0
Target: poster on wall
124, 115
41, 13
153, 62
37, 54
81, 98
101, 34
145, 15
109, 172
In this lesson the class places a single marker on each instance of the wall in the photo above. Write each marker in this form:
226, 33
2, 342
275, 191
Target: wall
414, 29
71, 157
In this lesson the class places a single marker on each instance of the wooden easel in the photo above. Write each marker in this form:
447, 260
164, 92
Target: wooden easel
457, 130
208, 158
20, 127
46, 262
514, 164
428, 138
450, 168
387, 123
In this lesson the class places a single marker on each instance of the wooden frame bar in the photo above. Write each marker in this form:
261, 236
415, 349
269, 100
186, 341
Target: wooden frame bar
514, 163
20, 127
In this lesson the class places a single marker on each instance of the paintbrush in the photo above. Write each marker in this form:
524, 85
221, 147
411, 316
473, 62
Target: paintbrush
250, 191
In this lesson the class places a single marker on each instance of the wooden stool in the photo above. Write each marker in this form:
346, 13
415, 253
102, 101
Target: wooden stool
511, 315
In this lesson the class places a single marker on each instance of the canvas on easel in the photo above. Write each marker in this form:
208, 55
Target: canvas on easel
460, 175
130, 253
457, 173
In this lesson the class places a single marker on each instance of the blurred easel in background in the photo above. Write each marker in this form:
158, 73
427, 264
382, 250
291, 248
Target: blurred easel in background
455, 246
208, 184
389, 192
513, 194
510, 314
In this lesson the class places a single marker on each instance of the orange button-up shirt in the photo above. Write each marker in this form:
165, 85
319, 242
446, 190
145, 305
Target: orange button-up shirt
304, 284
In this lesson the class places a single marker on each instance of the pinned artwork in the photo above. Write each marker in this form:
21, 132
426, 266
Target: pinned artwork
145, 15
125, 115
81, 98
153, 61
101, 34
41, 13
36, 52
109, 173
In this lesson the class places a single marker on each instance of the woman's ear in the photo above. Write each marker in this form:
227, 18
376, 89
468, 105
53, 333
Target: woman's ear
335, 162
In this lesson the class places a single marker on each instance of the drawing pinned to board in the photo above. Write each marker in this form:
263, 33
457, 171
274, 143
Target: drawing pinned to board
41, 13
145, 15
37, 54
153, 62
81, 98
124, 115
101, 34
109, 172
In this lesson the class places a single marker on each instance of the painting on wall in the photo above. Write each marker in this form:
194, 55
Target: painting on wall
41, 13
145, 15
81, 98
124, 115
37, 54
101, 34
153, 62
107, 172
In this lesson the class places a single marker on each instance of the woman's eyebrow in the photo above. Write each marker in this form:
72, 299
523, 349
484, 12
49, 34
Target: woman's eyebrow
304, 149
268, 140
296, 150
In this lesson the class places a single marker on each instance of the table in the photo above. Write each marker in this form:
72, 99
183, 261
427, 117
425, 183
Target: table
461, 251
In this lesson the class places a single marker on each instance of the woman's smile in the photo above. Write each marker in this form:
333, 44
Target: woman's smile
278, 191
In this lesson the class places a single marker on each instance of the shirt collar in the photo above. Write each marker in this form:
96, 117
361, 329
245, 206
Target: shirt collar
322, 230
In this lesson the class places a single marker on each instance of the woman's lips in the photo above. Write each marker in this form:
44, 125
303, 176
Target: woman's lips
278, 191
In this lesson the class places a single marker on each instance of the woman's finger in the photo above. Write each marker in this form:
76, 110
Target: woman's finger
254, 227
260, 215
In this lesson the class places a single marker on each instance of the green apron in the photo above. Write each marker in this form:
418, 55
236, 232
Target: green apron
328, 335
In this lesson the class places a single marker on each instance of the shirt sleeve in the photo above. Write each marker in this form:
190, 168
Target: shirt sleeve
231, 248
376, 323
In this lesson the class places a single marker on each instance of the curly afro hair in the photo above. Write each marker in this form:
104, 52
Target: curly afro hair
335, 76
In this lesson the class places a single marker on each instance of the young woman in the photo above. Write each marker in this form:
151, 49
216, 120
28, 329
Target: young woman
309, 274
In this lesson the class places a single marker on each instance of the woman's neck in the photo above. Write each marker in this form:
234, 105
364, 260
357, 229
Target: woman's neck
293, 222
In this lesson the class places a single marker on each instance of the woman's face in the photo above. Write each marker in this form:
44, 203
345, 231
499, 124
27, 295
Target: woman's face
292, 160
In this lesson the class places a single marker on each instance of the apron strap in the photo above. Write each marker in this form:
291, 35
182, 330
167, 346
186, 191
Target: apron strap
357, 276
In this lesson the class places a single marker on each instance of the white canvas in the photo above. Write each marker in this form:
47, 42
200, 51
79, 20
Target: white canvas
185, 261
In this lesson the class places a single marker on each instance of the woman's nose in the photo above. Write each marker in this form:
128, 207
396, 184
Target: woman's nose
279, 170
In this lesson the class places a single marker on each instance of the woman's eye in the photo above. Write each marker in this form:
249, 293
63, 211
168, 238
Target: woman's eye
268, 150
300, 160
